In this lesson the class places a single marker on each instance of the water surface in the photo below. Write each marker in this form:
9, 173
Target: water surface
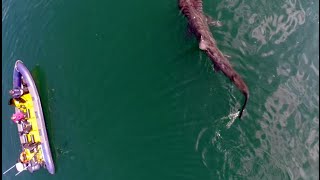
127, 93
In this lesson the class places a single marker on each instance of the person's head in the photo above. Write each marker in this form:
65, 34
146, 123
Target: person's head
11, 92
11, 102
13, 117
23, 157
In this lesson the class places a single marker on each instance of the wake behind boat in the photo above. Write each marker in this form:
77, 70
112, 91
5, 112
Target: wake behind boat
29, 119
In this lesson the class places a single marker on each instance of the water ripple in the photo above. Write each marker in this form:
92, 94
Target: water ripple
258, 28
288, 127
277, 28
285, 143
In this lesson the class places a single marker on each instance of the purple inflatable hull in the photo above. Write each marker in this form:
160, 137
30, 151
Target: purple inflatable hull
20, 70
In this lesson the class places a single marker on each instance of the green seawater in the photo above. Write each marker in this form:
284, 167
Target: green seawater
127, 94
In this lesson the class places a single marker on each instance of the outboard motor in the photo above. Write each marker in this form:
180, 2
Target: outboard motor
34, 167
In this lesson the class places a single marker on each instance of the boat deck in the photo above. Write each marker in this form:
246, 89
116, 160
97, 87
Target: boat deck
34, 135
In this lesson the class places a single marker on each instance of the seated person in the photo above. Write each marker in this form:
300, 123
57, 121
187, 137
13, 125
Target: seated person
16, 102
25, 156
31, 146
16, 93
18, 117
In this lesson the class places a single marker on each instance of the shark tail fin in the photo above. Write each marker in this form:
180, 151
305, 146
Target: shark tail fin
246, 95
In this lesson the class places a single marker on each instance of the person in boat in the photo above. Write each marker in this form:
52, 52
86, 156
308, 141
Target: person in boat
16, 96
25, 156
18, 117
18, 104
12, 102
26, 127
15, 103
31, 146
26, 161
16, 93
20, 99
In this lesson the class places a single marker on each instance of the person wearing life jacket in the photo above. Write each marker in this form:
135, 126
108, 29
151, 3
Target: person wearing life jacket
23, 162
25, 156
18, 104
15, 101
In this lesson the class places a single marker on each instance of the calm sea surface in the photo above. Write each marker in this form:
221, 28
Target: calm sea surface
127, 94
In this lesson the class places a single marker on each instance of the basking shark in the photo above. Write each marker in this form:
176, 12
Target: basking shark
199, 23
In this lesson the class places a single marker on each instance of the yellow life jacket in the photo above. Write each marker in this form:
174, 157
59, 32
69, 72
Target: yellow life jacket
25, 156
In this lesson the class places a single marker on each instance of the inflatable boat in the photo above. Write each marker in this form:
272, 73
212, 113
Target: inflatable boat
30, 121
